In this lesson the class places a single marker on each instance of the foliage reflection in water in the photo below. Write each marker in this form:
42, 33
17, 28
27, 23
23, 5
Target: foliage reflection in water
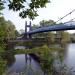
51, 62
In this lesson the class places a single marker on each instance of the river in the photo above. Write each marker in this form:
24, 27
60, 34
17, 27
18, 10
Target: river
70, 57
23, 63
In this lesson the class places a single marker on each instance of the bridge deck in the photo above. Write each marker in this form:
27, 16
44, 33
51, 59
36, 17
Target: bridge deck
58, 27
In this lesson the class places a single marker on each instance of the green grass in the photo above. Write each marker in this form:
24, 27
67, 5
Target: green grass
37, 50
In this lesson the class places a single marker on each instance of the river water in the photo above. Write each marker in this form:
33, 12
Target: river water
24, 63
70, 56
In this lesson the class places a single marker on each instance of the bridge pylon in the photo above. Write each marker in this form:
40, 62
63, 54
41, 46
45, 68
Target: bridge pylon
27, 29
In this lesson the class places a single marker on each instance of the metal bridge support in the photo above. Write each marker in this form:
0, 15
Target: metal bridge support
27, 28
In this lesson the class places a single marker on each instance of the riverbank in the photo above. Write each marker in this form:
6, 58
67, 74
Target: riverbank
48, 56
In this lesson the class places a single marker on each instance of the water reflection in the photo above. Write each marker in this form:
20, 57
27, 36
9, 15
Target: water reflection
25, 63
67, 65
70, 56
19, 47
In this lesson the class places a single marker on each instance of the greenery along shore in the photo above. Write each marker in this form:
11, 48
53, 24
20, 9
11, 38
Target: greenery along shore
8, 31
45, 56
38, 50
44, 53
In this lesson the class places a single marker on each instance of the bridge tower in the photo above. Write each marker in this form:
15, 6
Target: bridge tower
27, 28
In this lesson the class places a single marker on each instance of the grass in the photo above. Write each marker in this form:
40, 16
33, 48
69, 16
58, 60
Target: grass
38, 50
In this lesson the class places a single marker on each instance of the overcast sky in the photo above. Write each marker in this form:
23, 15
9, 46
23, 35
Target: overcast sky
54, 10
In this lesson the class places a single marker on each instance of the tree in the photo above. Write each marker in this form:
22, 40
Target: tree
10, 30
47, 23
49, 36
65, 37
2, 27
1, 6
27, 8
21, 31
7, 29
17, 33
35, 26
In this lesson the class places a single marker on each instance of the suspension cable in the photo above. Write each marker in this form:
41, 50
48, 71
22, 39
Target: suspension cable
66, 15
69, 21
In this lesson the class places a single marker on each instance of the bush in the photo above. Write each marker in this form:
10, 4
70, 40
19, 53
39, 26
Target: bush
2, 66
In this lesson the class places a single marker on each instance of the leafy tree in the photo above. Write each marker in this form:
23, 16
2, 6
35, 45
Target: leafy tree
27, 8
17, 33
7, 30
72, 37
2, 27
2, 33
1, 6
65, 36
47, 23
49, 36
35, 26
10, 28
21, 31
